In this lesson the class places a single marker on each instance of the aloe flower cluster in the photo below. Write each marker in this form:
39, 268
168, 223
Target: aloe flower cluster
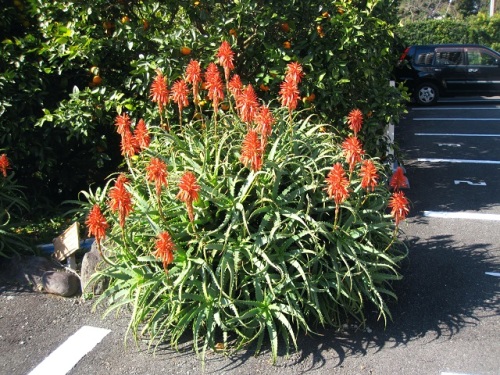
337, 182
4, 164
398, 203
132, 142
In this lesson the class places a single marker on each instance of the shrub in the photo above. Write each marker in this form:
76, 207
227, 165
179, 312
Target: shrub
64, 69
479, 29
245, 224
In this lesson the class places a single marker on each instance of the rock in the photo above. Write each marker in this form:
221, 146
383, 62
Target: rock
91, 263
64, 284
27, 270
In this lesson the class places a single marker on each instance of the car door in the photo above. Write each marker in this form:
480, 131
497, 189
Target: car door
450, 69
483, 71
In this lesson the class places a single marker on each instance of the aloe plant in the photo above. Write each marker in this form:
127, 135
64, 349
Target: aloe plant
12, 204
262, 253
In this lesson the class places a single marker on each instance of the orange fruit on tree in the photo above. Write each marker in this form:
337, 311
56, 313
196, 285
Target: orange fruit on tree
319, 29
109, 28
108, 25
310, 98
285, 27
125, 19
185, 50
19, 4
287, 45
97, 80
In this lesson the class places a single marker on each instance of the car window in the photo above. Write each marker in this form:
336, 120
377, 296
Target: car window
480, 57
449, 57
424, 56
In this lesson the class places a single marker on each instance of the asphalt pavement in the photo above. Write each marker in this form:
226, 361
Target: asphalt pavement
446, 319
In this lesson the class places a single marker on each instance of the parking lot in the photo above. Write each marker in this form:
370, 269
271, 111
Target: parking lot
452, 158
447, 318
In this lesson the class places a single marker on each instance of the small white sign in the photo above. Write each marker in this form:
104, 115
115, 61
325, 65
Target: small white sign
67, 243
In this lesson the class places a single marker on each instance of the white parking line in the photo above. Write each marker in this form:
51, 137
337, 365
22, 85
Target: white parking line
449, 145
456, 119
470, 183
462, 215
457, 135
66, 356
462, 161
496, 274
455, 108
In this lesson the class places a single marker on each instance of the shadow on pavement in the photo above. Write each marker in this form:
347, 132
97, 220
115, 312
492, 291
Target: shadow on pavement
444, 290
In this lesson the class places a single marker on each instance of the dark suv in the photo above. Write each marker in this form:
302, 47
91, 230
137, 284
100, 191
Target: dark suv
432, 71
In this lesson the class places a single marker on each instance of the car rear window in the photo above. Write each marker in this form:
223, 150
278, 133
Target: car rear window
423, 56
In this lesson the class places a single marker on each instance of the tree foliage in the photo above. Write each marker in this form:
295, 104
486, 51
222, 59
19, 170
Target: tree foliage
480, 29
67, 67
468, 7
420, 10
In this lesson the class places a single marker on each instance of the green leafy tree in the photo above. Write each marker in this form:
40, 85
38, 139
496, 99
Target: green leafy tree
67, 67
420, 10
468, 7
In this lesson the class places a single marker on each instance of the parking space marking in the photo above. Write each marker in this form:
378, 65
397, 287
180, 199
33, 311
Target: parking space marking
480, 183
455, 108
456, 135
461, 161
456, 119
496, 274
66, 356
462, 215
449, 145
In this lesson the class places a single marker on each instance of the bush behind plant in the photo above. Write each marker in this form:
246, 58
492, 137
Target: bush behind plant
479, 29
60, 120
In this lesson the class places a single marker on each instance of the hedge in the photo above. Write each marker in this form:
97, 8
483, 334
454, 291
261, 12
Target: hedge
480, 29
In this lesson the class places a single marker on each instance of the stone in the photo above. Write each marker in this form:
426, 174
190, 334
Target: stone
91, 263
64, 284
27, 271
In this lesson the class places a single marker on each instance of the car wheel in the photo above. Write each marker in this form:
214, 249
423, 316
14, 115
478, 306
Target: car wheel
427, 94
